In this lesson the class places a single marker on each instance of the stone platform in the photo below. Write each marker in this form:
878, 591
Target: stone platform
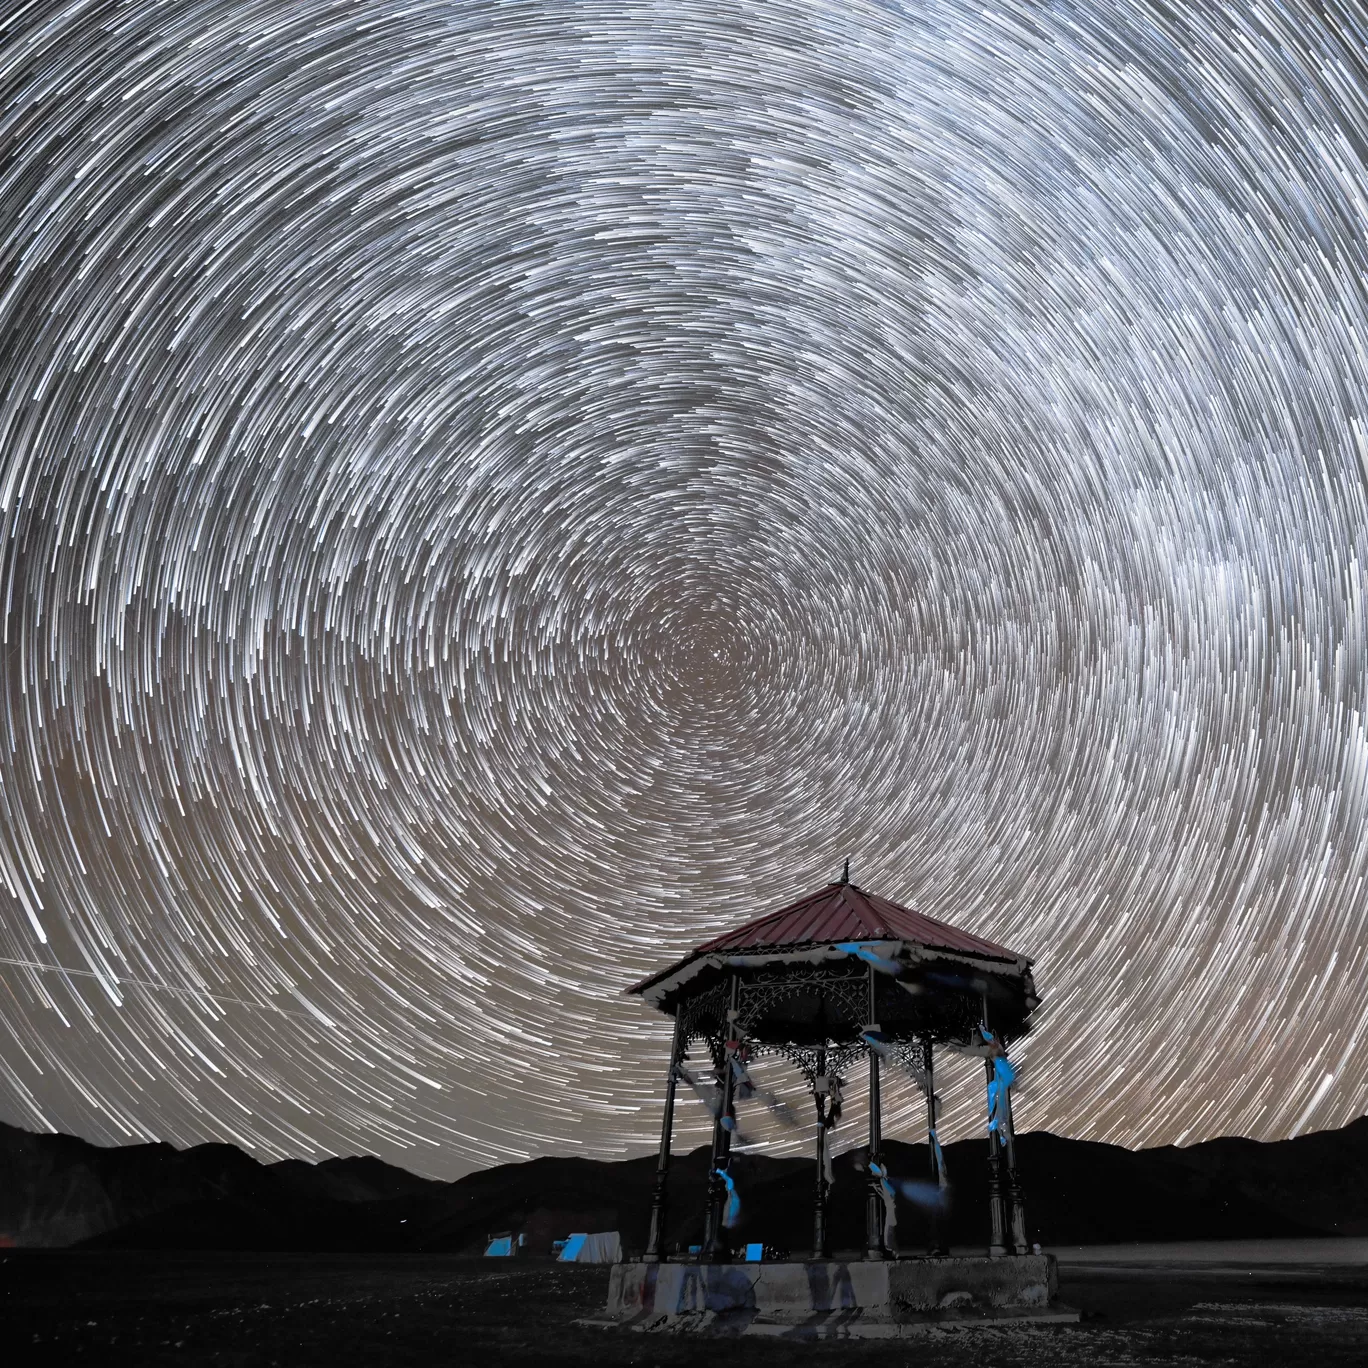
830, 1299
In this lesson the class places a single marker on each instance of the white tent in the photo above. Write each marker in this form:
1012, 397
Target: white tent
604, 1247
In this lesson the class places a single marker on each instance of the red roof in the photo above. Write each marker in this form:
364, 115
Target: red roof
843, 912
838, 912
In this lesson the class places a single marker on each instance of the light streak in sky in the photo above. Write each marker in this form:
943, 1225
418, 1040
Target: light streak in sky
493, 494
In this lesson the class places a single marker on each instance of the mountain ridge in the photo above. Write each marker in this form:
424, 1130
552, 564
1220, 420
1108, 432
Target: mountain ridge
57, 1190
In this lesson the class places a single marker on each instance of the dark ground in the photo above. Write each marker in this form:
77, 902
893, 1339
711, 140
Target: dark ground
297, 1310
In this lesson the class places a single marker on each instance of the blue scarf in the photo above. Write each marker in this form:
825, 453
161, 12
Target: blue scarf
733, 1211
1004, 1075
870, 956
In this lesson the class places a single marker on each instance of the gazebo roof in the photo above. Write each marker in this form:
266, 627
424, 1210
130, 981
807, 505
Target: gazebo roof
813, 929
844, 912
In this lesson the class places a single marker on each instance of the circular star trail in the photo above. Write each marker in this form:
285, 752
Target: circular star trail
492, 494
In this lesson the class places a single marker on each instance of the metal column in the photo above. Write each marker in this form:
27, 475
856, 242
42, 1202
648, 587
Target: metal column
713, 1250
1016, 1207
936, 1242
997, 1208
821, 1248
659, 1192
875, 1248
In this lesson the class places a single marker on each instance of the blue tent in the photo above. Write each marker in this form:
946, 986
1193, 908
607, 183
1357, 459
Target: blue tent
603, 1247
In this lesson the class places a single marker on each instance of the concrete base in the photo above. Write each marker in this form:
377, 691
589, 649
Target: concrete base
827, 1299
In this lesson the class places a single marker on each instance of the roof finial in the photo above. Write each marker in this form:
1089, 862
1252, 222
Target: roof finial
845, 873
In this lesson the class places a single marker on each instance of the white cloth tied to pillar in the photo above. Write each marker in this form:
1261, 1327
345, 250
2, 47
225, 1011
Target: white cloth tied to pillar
889, 1201
732, 1214
886, 1051
746, 1088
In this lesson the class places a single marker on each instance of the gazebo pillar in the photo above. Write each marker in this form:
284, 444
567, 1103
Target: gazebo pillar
936, 1243
997, 1207
875, 1248
712, 1251
1016, 1207
821, 1247
659, 1196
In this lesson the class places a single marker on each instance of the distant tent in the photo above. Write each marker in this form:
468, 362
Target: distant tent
502, 1246
604, 1247
755, 1253
546, 1226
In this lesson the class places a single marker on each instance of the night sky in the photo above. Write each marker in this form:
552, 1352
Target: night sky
492, 494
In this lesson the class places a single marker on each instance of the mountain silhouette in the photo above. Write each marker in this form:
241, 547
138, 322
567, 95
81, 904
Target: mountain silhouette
56, 1190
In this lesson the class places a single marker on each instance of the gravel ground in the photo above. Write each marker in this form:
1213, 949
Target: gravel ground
59, 1306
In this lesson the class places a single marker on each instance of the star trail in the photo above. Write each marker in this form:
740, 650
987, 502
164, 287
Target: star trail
492, 494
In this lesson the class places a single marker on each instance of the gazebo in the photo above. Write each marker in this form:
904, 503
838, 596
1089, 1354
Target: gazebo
839, 977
